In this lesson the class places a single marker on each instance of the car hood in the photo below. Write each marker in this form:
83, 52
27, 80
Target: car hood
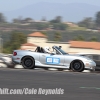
79, 56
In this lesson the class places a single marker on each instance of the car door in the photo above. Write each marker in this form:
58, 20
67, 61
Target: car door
51, 59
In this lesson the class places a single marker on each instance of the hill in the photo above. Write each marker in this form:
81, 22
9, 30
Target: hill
72, 12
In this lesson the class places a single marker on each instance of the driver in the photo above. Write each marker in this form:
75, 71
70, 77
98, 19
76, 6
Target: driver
47, 49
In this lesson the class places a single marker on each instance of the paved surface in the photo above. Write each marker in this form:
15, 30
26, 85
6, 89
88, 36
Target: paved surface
77, 86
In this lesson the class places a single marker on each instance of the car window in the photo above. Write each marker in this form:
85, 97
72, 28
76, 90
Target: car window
56, 52
63, 52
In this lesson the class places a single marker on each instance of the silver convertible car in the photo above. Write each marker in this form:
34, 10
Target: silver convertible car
57, 59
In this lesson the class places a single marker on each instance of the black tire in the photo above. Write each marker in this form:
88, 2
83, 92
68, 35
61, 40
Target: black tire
28, 62
77, 66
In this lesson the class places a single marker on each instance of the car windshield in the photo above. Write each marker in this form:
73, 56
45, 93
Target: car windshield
63, 52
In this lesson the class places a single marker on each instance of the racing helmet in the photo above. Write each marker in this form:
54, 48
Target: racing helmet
47, 49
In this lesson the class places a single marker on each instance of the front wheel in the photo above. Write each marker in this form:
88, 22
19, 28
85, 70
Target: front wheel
77, 66
28, 62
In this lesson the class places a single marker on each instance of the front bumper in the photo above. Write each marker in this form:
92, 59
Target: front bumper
90, 66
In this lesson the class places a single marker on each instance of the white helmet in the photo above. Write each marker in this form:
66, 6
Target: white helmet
47, 49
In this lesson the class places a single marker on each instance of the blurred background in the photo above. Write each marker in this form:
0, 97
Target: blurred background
74, 25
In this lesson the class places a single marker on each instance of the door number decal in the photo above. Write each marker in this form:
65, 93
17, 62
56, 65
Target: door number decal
52, 60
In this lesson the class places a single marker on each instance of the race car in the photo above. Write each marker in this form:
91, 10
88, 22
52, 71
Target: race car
56, 59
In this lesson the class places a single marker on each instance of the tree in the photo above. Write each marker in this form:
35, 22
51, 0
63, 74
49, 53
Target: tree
98, 19
79, 38
45, 33
28, 19
15, 21
15, 42
87, 22
57, 19
2, 18
59, 26
43, 19
41, 26
93, 39
57, 36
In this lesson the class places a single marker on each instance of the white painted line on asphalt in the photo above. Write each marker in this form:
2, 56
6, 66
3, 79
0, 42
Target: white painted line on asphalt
37, 68
86, 71
19, 66
66, 70
3, 65
52, 69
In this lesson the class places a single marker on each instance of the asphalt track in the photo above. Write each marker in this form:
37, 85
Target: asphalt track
76, 85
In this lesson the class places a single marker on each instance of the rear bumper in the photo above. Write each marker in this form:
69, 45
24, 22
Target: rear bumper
15, 60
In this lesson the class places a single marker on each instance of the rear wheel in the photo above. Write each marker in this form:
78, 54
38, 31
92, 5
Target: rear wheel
28, 62
77, 66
